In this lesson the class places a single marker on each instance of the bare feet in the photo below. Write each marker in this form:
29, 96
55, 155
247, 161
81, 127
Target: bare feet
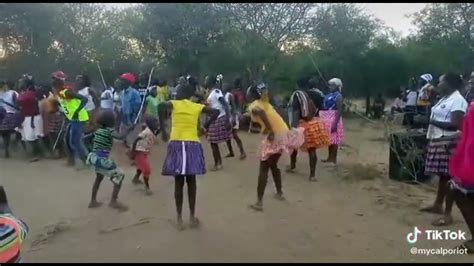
279, 196
329, 161
148, 192
180, 225
194, 222
216, 168
136, 181
94, 204
118, 206
443, 221
289, 169
257, 206
433, 209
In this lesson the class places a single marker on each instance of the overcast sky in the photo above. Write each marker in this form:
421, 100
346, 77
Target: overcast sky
393, 14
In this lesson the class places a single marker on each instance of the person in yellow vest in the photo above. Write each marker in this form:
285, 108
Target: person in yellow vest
13, 232
73, 105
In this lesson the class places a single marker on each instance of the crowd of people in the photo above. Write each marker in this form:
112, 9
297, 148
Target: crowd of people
80, 123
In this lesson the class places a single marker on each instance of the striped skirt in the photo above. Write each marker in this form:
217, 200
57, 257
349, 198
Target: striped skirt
11, 121
328, 118
55, 122
438, 154
184, 158
315, 134
217, 132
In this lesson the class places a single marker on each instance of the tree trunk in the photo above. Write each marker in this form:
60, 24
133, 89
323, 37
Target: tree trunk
367, 104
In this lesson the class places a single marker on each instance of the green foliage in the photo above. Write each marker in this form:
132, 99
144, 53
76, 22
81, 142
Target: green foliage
279, 43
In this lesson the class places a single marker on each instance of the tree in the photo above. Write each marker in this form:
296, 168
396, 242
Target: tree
448, 22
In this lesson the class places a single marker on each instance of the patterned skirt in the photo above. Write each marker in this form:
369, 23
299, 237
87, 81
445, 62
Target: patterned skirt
286, 142
55, 122
315, 134
217, 132
184, 158
11, 121
438, 154
104, 165
328, 118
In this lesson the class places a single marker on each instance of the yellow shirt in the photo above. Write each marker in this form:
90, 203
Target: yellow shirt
276, 121
162, 93
184, 120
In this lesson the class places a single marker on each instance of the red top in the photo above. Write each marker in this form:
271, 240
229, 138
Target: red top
28, 103
461, 165
239, 96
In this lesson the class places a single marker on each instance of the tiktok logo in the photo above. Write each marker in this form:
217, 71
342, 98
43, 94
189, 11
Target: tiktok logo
413, 236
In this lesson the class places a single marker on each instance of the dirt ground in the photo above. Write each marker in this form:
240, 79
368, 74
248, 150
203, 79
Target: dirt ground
350, 215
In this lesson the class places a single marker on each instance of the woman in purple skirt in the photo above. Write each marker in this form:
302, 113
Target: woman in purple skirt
184, 159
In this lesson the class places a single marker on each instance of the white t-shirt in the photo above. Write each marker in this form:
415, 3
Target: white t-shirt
213, 101
107, 99
442, 112
398, 103
118, 99
412, 98
90, 106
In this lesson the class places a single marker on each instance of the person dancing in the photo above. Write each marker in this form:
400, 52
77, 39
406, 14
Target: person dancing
304, 113
332, 116
185, 157
235, 116
278, 139
220, 130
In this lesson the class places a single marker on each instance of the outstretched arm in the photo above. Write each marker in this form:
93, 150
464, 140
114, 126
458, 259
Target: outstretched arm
163, 109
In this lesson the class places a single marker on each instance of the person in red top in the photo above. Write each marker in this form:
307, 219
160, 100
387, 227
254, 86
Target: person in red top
32, 127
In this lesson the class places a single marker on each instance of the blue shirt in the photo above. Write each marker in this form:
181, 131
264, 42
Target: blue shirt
131, 102
330, 100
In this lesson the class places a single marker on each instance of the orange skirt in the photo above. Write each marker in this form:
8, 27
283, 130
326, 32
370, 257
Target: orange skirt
315, 134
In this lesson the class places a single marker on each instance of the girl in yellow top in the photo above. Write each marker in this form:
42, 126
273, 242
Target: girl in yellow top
184, 159
279, 138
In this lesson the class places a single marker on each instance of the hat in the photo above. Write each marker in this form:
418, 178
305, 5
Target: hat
129, 77
427, 77
59, 75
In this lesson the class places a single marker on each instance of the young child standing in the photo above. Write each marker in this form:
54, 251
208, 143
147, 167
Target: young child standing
100, 159
185, 158
141, 150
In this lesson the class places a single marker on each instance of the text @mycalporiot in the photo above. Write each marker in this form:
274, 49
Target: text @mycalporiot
417, 234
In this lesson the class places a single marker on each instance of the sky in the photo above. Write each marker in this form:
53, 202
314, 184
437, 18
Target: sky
393, 14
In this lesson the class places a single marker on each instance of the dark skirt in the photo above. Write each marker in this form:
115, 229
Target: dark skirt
11, 121
217, 132
184, 158
438, 154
